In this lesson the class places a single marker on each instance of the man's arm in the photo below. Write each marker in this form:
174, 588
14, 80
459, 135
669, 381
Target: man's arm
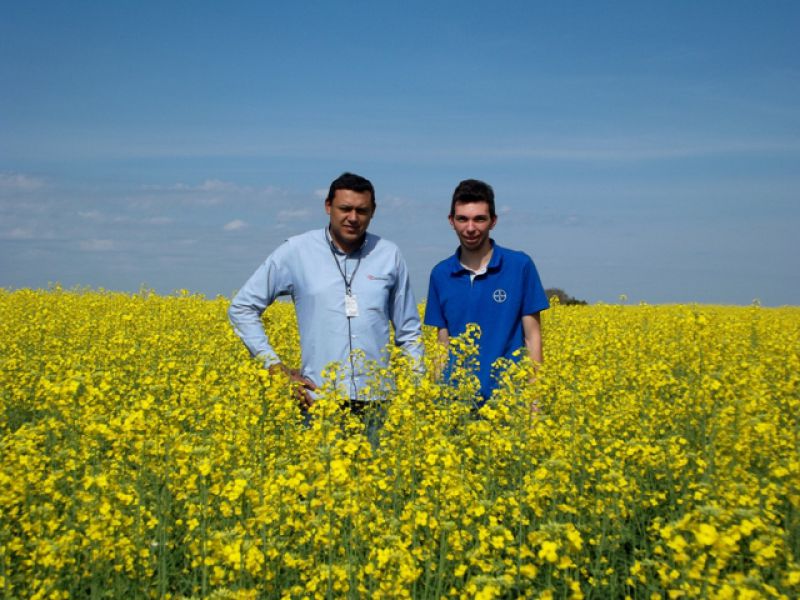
532, 330
440, 358
405, 315
247, 307
535, 300
268, 282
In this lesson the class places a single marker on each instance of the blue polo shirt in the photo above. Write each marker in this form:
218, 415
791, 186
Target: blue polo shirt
495, 300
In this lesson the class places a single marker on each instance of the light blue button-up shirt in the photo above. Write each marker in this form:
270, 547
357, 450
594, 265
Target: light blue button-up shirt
305, 267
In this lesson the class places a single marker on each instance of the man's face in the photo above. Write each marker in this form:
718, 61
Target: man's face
350, 214
472, 223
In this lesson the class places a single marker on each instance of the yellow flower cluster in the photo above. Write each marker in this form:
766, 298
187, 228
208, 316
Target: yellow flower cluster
143, 454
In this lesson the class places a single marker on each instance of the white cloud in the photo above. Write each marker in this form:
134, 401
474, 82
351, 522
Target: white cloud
396, 202
19, 182
209, 193
20, 233
235, 225
209, 185
321, 193
102, 218
217, 185
96, 245
294, 215
28, 231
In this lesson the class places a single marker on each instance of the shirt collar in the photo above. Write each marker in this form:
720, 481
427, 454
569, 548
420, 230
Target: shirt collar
495, 261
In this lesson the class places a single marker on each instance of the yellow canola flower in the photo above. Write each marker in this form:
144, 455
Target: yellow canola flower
143, 453
549, 551
706, 534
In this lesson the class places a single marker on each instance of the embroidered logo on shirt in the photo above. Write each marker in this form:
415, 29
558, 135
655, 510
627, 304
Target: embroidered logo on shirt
499, 296
379, 277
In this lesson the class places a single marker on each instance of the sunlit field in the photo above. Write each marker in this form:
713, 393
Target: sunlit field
144, 454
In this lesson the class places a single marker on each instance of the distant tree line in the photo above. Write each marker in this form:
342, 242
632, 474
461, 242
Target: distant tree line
564, 297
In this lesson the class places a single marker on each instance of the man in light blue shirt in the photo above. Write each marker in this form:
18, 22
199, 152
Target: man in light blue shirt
347, 286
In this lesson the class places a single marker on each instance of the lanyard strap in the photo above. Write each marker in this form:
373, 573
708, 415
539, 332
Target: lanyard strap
347, 284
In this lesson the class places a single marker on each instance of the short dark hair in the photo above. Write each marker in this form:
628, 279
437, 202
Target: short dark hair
473, 190
352, 182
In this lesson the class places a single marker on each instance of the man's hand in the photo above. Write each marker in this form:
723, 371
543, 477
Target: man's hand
300, 385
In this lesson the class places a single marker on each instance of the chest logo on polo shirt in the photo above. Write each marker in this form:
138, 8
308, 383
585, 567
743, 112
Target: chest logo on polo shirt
499, 296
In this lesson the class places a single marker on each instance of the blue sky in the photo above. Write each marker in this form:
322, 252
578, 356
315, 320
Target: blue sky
638, 148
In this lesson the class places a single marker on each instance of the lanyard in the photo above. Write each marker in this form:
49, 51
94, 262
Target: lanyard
347, 283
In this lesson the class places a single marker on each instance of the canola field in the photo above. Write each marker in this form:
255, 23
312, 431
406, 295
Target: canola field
143, 454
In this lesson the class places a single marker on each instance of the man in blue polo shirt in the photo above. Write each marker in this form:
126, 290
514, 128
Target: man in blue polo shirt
483, 283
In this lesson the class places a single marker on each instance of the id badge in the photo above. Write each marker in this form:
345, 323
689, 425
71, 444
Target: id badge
350, 305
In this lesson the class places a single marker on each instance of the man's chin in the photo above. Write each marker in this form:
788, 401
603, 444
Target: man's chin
352, 239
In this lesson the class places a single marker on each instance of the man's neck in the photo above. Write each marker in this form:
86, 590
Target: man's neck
478, 259
346, 248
